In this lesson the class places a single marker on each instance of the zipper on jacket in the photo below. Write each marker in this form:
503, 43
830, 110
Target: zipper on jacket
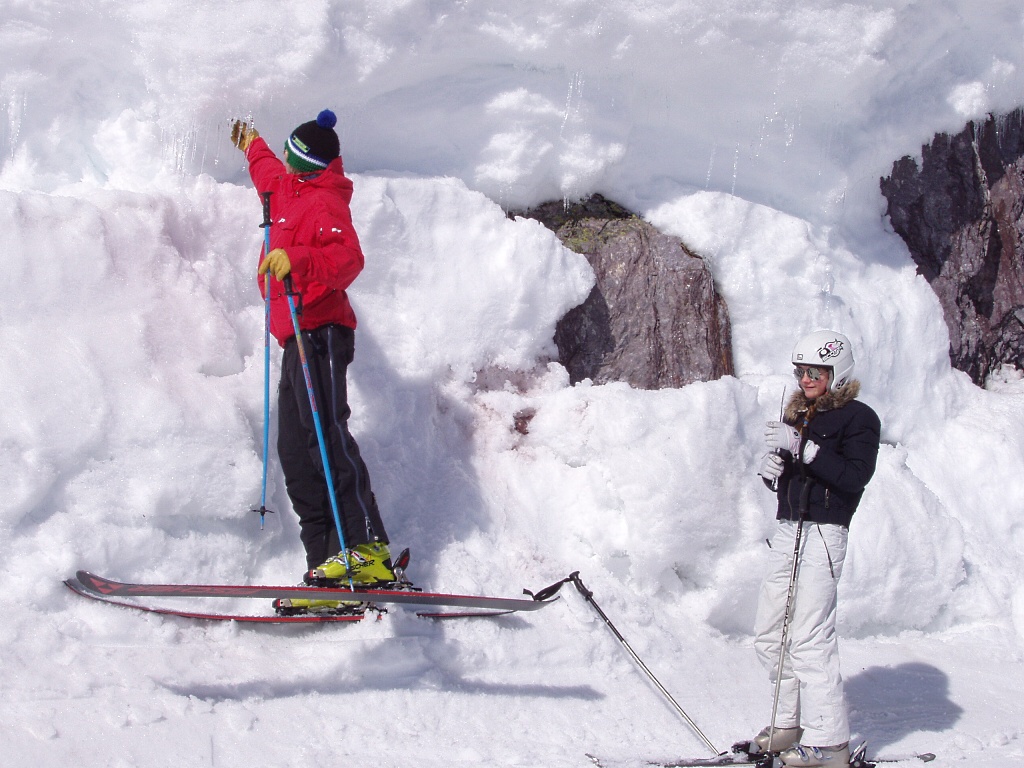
827, 492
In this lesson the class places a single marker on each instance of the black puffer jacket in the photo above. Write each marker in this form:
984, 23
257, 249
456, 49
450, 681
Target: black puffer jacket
846, 432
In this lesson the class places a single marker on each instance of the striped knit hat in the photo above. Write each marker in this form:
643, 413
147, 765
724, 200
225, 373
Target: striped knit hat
313, 145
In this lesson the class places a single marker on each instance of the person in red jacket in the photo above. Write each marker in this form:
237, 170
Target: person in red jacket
313, 242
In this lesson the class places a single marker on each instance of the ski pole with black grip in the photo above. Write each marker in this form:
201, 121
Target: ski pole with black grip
574, 577
266, 360
294, 311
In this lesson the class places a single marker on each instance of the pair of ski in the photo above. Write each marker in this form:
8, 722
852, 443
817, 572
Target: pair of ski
741, 756
125, 594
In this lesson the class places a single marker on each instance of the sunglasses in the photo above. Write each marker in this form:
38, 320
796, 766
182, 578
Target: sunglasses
811, 372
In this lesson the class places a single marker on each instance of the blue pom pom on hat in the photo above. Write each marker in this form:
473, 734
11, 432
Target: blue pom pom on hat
313, 145
327, 119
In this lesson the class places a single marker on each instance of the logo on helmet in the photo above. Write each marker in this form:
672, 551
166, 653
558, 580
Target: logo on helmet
830, 350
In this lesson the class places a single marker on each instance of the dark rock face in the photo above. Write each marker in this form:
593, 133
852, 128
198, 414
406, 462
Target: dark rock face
653, 319
961, 214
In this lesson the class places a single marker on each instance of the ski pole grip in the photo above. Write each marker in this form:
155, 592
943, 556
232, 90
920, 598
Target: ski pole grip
574, 577
289, 290
266, 209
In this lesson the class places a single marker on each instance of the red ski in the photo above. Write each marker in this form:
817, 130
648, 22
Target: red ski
108, 588
308, 618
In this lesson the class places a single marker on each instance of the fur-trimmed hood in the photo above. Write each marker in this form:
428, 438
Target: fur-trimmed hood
798, 404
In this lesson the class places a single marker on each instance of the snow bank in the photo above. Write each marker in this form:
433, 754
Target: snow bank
132, 373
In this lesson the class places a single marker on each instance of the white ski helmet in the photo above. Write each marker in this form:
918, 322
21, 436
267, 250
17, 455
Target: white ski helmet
827, 348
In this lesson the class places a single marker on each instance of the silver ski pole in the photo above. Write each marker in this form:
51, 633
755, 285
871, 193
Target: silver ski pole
785, 630
574, 577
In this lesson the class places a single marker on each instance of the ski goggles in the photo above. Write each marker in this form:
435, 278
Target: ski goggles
812, 372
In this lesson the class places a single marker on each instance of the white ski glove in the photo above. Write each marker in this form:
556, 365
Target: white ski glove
810, 451
771, 467
782, 437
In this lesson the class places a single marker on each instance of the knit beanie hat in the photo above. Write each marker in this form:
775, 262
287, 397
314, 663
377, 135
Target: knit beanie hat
313, 145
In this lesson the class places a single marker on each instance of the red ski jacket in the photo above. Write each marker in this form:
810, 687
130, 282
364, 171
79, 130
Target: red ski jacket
312, 222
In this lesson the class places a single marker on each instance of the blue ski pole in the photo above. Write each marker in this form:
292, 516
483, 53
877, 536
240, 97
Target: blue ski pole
290, 293
266, 361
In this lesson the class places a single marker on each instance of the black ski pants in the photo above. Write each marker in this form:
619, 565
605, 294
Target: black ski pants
329, 351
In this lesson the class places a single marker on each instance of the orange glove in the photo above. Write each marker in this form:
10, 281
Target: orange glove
276, 263
242, 134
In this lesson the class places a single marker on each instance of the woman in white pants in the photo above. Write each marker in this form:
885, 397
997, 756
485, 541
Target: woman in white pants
822, 455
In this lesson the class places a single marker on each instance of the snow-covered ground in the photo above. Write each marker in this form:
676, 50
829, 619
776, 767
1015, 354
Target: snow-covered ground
132, 371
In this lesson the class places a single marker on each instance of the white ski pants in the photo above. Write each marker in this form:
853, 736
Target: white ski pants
811, 692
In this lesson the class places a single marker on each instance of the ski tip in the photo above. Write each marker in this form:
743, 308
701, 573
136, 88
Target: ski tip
87, 581
927, 757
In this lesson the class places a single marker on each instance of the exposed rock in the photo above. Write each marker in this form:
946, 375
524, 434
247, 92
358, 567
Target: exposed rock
654, 318
961, 214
